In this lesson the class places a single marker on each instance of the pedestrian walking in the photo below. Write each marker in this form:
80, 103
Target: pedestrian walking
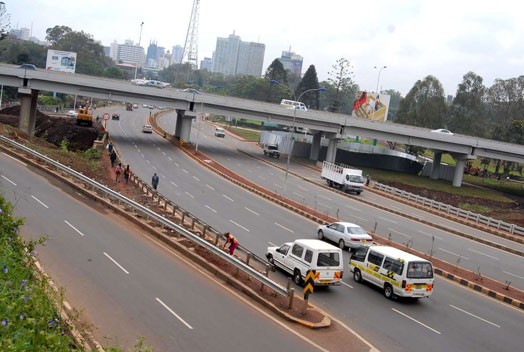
112, 156
154, 181
118, 171
110, 148
232, 241
127, 173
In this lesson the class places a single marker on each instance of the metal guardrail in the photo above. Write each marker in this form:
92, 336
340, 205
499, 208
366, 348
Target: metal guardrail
468, 215
160, 219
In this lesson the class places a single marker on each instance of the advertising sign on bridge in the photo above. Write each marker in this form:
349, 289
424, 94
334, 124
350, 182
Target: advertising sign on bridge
63, 61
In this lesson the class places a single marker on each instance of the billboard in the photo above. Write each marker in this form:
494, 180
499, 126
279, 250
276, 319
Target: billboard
371, 106
63, 61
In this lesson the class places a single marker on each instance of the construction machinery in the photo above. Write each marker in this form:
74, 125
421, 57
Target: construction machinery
84, 116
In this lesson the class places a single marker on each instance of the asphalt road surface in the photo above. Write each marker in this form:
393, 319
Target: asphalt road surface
453, 319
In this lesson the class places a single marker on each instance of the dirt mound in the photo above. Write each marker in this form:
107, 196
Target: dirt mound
55, 129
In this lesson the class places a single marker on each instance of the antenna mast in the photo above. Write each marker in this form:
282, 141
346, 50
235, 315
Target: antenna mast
191, 44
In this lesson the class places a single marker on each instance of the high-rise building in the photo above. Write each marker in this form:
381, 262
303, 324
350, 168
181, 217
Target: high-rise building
292, 62
152, 55
235, 57
176, 54
129, 53
206, 64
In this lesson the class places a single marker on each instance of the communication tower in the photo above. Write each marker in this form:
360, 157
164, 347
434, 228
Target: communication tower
191, 45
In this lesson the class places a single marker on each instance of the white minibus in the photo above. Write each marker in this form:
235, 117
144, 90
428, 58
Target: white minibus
290, 104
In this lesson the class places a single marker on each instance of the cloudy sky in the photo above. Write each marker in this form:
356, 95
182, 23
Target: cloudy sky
413, 38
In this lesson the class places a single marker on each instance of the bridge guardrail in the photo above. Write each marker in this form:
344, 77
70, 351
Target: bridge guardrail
468, 215
149, 214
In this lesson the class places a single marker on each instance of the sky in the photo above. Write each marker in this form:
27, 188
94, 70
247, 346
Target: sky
412, 38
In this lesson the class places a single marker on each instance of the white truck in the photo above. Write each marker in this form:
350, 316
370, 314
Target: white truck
343, 177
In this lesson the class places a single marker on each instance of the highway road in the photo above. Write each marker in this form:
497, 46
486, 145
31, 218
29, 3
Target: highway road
130, 287
469, 254
453, 319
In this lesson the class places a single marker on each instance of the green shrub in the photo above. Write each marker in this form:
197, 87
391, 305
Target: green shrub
29, 318
92, 154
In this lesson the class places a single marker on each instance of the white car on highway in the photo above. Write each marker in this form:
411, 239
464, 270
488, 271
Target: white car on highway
345, 234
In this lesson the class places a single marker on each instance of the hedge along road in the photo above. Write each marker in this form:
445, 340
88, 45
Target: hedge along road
257, 223
129, 287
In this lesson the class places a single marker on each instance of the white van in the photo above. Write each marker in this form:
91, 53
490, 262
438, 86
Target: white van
397, 272
298, 257
290, 104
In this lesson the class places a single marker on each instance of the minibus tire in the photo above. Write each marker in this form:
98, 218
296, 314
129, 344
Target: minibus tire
357, 276
388, 291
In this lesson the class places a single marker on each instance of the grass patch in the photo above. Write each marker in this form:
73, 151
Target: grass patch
247, 134
474, 208
384, 176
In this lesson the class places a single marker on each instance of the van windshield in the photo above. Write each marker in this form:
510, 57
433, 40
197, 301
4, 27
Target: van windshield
356, 178
328, 259
420, 270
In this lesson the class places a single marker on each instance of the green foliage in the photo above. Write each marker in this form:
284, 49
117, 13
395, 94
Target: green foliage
114, 72
309, 81
29, 318
475, 208
92, 154
64, 145
48, 101
18, 52
341, 81
424, 105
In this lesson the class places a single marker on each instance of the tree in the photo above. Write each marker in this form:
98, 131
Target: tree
54, 35
342, 82
276, 72
424, 105
309, 81
394, 103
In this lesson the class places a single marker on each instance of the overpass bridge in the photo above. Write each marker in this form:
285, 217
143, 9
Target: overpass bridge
187, 104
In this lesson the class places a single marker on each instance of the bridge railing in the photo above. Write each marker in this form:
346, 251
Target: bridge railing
163, 221
468, 215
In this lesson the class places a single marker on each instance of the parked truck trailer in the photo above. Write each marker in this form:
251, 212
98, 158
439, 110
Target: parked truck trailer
344, 177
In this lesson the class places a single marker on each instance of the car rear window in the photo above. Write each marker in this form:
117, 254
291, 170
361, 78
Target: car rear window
328, 259
420, 270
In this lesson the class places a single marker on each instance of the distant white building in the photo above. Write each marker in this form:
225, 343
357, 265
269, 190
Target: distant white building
292, 62
127, 53
234, 57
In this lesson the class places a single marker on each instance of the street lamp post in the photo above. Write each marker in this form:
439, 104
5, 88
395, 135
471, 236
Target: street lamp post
320, 89
378, 78
139, 40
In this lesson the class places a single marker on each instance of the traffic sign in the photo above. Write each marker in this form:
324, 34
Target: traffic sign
310, 282
105, 116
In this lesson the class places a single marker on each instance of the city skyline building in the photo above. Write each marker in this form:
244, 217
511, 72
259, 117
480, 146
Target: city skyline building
292, 62
233, 57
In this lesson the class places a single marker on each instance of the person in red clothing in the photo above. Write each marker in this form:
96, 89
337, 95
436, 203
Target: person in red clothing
233, 242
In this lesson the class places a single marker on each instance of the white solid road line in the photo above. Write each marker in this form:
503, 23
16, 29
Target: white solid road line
487, 255
9, 156
172, 312
252, 211
455, 254
283, 227
211, 188
416, 321
116, 263
213, 210
39, 201
520, 277
348, 285
74, 228
475, 316
8, 180
242, 227
399, 233
230, 199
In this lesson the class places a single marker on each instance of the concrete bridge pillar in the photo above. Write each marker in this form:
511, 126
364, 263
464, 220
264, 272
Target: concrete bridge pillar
315, 146
458, 174
27, 120
332, 147
435, 168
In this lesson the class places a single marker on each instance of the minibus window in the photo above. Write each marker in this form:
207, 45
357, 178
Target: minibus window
360, 254
393, 266
420, 270
297, 251
328, 259
375, 258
